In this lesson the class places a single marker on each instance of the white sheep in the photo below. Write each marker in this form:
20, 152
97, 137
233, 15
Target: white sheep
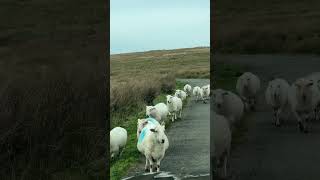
187, 88
198, 93
118, 140
181, 94
144, 122
302, 101
206, 91
315, 77
277, 97
153, 143
221, 143
159, 111
174, 105
248, 86
228, 104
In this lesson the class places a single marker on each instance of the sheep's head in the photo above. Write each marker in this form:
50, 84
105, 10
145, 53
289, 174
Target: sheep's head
149, 109
275, 87
178, 93
218, 98
169, 99
304, 89
140, 125
246, 78
159, 134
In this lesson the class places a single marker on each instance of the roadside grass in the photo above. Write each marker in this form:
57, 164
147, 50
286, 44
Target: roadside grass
267, 26
140, 79
225, 77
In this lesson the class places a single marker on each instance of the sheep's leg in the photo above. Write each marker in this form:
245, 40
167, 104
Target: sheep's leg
147, 167
277, 113
225, 162
158, 166
151, 165
275, 116
180, 113
301, 123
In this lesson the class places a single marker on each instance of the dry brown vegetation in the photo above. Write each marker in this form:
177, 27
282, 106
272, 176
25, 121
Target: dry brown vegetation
267, 26
53, 86
137, 78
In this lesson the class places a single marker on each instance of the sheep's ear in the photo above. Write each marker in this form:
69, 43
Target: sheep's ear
153, 130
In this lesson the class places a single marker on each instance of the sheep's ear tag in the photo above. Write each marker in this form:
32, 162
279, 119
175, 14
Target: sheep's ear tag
153, 130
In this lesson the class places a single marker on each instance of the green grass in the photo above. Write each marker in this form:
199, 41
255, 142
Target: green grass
131, 155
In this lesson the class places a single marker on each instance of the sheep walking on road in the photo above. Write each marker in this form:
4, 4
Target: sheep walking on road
277, 97
180, 94
153, 143
302, 101
198, 93
187, 88
174, 106
118, 140
315, 77
206, 91
222, 143
248, 86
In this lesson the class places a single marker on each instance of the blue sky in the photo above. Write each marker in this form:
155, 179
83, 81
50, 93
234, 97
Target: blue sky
142, 25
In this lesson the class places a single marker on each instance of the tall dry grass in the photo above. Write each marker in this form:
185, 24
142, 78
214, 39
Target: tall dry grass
132, 95
52, 123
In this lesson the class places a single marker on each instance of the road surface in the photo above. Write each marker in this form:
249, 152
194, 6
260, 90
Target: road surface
189, 150
272, 153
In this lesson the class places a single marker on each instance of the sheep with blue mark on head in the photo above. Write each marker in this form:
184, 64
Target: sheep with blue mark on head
153, 143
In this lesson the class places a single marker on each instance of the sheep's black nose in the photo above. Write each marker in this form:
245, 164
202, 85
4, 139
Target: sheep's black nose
162, 141
304, 97
218, 105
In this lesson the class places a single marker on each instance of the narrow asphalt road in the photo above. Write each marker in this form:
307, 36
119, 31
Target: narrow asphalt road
271, 152
189, 150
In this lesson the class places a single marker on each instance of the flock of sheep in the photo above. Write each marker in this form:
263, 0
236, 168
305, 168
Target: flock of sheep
152, 140
302, 99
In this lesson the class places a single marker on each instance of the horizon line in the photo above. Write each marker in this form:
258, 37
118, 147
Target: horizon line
159, 50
